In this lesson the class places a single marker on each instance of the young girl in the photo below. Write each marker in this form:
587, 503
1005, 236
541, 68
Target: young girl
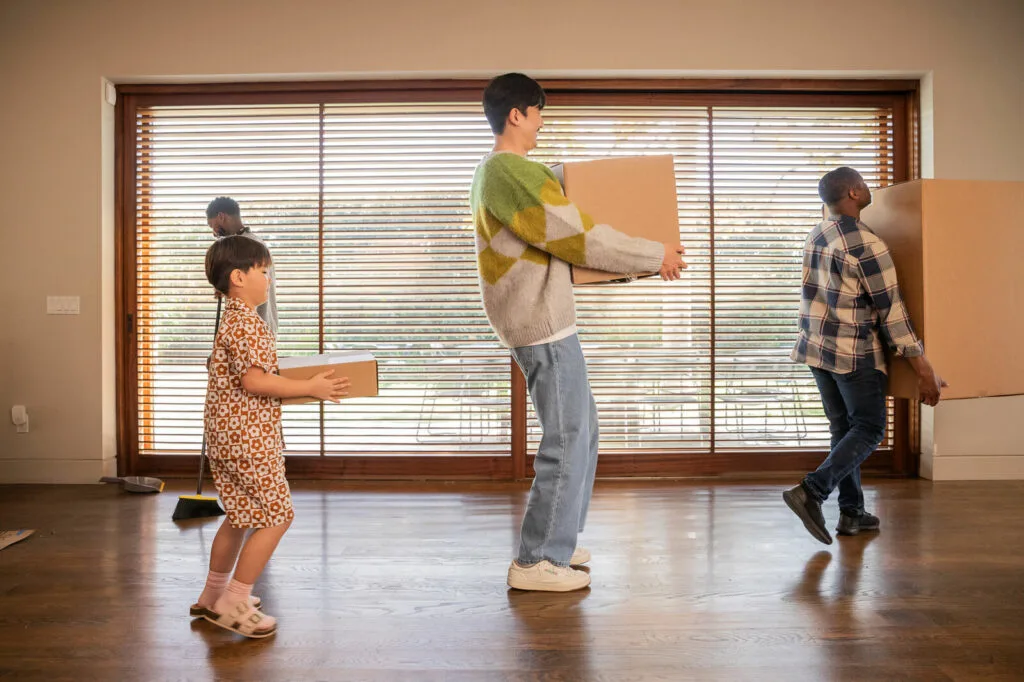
243, 437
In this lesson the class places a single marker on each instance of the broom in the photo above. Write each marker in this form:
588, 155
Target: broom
199, 506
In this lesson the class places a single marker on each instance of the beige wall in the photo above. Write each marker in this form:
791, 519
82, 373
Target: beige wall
56, 178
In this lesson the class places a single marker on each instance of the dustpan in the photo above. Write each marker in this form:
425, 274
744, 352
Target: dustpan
136, 484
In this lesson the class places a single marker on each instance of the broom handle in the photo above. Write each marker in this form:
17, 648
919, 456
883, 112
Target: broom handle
202, 451
202, 463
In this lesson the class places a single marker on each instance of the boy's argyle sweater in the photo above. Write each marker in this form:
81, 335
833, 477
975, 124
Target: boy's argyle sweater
527, 235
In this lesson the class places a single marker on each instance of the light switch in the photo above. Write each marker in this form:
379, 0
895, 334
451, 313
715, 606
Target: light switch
63, 305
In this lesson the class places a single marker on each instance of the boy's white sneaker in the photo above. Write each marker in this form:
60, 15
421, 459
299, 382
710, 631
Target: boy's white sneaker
544, 576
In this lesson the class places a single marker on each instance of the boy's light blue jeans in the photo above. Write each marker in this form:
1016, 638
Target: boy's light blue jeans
556, 377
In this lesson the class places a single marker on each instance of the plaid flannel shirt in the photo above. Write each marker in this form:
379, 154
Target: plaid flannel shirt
850, 301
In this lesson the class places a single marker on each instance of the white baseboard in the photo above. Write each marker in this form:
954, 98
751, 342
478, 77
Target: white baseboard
56, 470
973, 468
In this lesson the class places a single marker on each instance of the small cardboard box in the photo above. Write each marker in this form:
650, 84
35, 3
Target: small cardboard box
635, 195
359, 366
957, 245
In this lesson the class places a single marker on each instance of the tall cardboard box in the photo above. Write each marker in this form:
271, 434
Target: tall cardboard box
635, 195
359, 366
958, 247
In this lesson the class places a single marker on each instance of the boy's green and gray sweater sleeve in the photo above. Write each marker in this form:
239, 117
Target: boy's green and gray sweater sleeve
522, 218
525, 197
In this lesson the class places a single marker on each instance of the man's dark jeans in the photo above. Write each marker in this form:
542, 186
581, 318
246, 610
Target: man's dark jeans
855, 407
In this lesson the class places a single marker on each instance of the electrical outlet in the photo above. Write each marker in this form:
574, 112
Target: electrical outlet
63, 305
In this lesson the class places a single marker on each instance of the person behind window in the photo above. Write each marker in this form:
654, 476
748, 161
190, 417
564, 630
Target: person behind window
224, 217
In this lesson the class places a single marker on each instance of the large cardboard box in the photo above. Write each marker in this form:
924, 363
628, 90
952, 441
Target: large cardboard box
958, 247
359, 366
635, 195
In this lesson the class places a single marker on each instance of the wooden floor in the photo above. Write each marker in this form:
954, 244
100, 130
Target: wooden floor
691, 581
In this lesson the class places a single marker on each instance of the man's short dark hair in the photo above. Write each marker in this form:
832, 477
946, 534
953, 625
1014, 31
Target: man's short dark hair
508, 92
228, 254
222, 205
836, 184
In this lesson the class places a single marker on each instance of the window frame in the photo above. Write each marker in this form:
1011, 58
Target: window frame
902, 96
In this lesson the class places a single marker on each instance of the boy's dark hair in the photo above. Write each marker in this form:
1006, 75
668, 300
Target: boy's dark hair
228, 254
508, 92
222, 205
837, 184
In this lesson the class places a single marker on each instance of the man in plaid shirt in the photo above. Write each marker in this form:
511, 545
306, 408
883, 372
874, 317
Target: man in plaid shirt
850, 306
